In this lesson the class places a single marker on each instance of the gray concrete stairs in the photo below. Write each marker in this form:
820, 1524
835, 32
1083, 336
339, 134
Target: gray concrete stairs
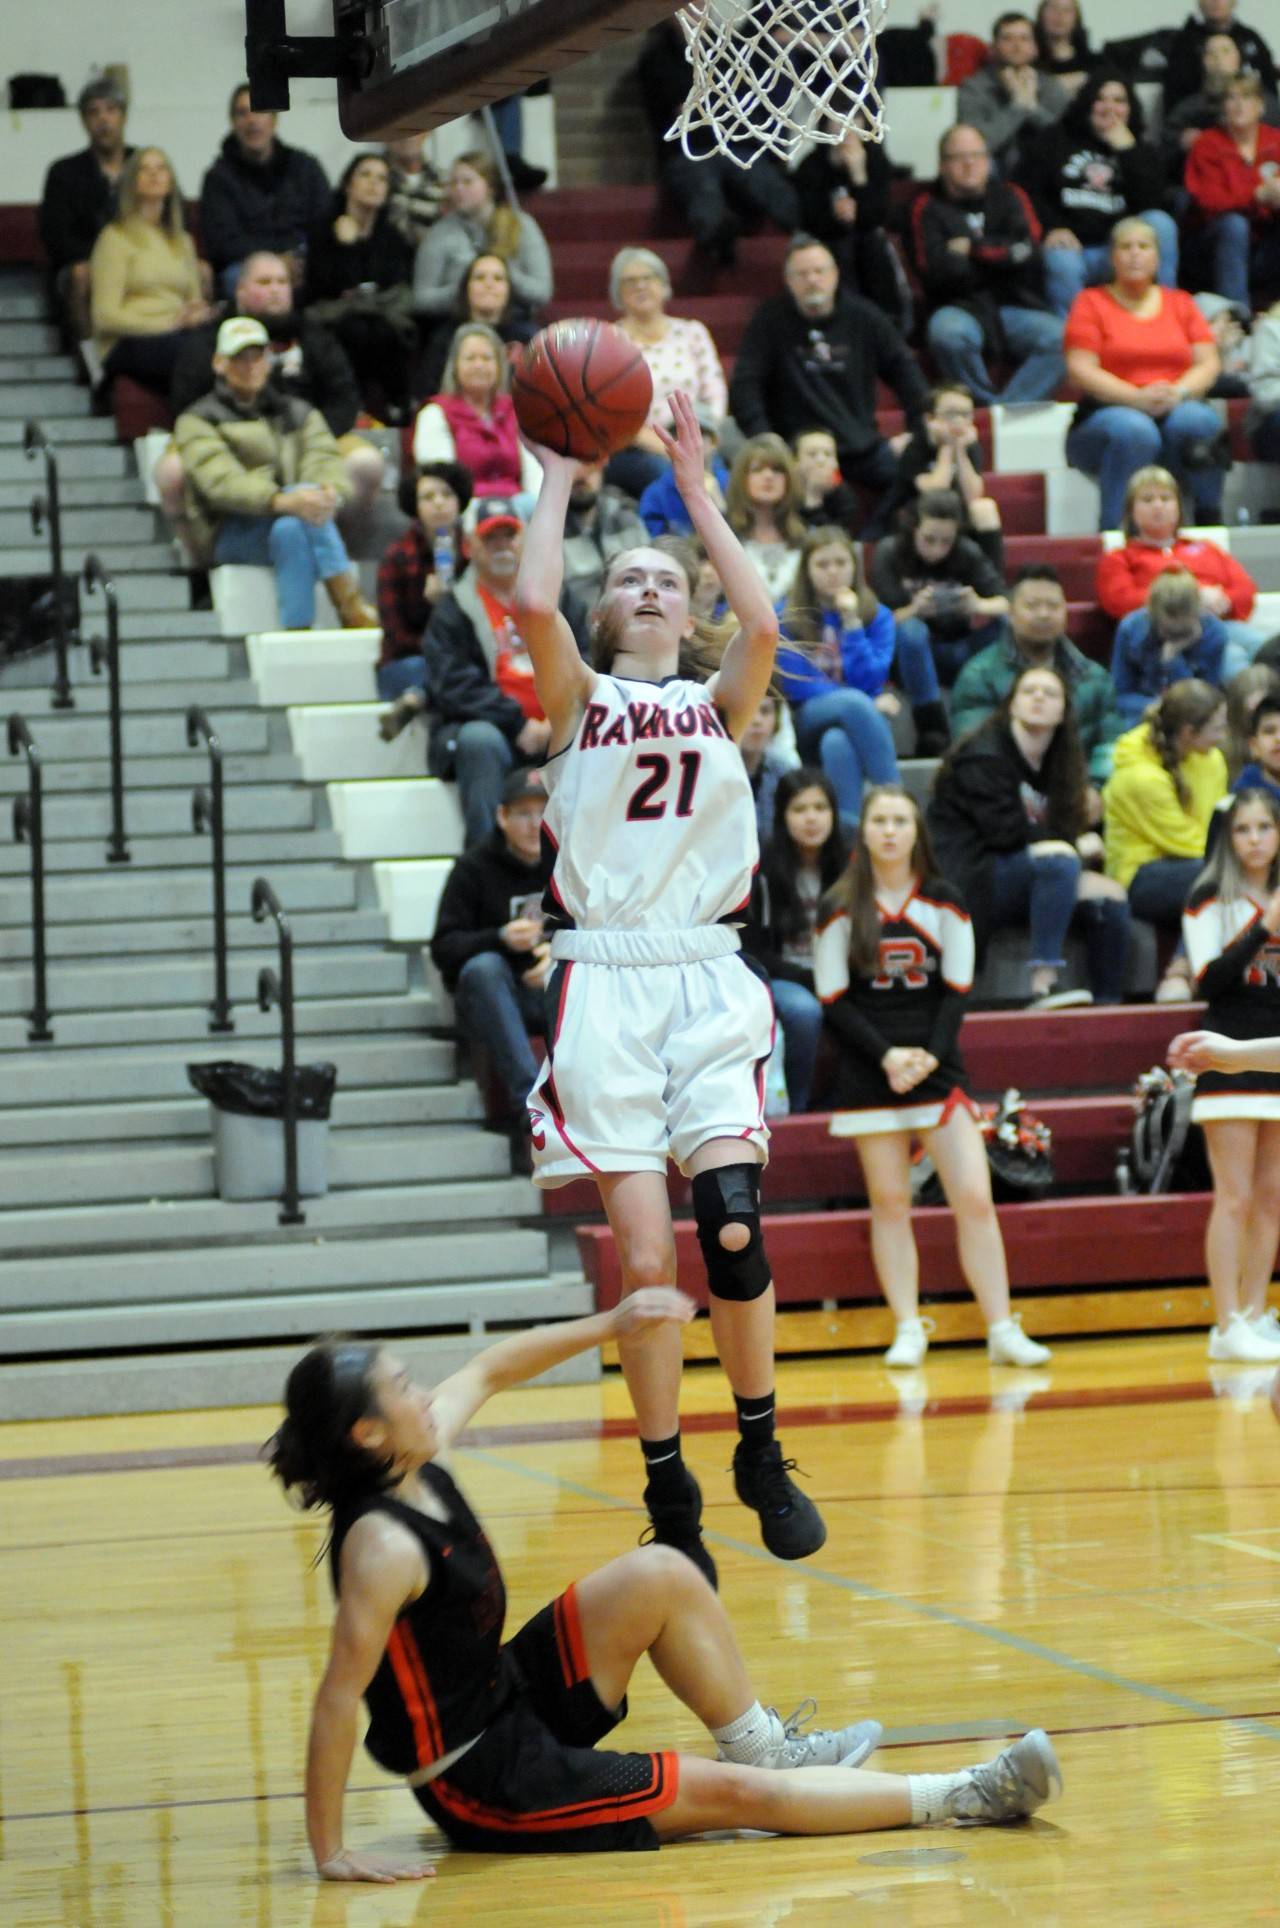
125, 1283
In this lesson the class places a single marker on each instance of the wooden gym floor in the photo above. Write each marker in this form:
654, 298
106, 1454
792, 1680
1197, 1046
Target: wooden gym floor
1096, 1550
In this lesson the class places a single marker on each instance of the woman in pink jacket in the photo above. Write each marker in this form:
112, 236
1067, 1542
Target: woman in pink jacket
1233, 178
1154, 542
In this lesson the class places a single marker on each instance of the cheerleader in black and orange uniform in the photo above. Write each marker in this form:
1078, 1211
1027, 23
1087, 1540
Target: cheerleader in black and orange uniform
893, 965
1232, 932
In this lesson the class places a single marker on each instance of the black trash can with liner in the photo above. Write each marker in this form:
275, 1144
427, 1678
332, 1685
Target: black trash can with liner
246, 1110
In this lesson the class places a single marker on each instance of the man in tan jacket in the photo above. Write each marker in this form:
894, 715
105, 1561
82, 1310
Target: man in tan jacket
264, 479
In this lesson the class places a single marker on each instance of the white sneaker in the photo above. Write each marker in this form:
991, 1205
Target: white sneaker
1267, 1326
1008, 1344
1240, 1342
821, 1746
911, 1342
1061, 1001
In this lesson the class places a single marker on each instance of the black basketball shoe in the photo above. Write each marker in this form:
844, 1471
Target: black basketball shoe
678, 1523
790, 1524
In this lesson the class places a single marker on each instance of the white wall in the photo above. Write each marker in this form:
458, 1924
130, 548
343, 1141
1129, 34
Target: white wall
184, 57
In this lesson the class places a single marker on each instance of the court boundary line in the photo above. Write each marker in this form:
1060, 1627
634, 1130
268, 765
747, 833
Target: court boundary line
551, 1431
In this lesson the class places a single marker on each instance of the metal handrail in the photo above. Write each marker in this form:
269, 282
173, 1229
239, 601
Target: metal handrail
207, 814
273, 989
94, 576
48, 507
28, 826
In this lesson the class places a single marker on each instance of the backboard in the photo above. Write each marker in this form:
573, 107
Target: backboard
430, 61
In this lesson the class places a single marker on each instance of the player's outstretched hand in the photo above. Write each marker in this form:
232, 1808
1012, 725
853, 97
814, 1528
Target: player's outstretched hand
684, 447
1197, 1051
348, 1865
651, 1305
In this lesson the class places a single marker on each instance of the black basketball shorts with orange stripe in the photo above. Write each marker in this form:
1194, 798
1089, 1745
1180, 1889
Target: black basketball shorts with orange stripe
535, 1782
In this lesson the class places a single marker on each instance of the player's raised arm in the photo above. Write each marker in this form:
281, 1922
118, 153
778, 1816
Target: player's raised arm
745, 673
563, 680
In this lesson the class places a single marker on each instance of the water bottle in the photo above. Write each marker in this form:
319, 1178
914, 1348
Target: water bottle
442, 558
1124, 1173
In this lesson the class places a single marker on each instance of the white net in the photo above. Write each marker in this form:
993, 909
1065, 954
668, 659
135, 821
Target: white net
776, 74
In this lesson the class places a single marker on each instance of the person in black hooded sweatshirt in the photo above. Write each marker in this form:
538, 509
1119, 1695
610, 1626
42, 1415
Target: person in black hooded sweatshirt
1088, 171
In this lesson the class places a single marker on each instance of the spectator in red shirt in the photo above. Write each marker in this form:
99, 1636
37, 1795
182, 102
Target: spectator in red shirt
1144, 358
1154, 543
1233, 178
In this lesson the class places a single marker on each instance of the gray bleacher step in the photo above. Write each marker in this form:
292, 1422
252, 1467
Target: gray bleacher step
63, 736
180, 937
169, 697
116, 1174
35, 367
21, 298
126, 562
46, 401
186, 1024
296, 1315
248, 1375
158, 773
120, 491
134, 983
28, 337
66, 432
119, 894
102, 465
108, 1071
129, 1123
300, 1259
160, 813
148, 663
88, 528
262, 851
146, 624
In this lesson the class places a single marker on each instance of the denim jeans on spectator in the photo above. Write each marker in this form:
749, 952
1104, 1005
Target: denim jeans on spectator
1115, 442
498, 1011
925, 660
800, 1015
1034, 341
1242, 253
848, 737
1158, 891
1068, 270
301, 555
873, 471
400, 674
1243, 644
1040, 891
713, 188
484, 756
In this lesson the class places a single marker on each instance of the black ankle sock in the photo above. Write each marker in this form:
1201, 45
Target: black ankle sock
664, 1466
755, 1420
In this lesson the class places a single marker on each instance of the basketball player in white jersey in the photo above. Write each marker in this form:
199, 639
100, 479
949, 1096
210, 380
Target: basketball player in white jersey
659, 1029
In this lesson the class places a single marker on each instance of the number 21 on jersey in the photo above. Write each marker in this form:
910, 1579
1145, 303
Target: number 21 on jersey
651, 795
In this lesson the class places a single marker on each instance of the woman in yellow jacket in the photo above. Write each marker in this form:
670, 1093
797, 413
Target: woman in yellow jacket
145, 285
1168, 777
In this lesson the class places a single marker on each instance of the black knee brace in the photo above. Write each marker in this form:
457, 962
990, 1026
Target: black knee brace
730, 1195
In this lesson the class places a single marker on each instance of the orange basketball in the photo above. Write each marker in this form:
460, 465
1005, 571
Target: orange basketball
581, 388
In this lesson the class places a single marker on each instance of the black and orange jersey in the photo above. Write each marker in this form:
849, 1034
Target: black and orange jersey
444, 1674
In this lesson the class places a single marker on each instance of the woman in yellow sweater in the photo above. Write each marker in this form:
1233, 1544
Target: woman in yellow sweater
144, 278
1168, 777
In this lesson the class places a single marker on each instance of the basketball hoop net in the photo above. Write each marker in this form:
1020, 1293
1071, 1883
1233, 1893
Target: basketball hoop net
773, 74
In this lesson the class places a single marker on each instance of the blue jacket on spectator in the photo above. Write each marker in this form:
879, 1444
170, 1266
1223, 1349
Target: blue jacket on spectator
1254, 777
865, 656
1140, 671
662, 507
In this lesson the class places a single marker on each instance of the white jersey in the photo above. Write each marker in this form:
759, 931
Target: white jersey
650, 813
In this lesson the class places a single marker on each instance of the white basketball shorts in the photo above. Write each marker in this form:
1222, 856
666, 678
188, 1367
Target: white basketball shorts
647, 1061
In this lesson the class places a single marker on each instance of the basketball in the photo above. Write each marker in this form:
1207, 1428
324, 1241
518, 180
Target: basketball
581, 388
